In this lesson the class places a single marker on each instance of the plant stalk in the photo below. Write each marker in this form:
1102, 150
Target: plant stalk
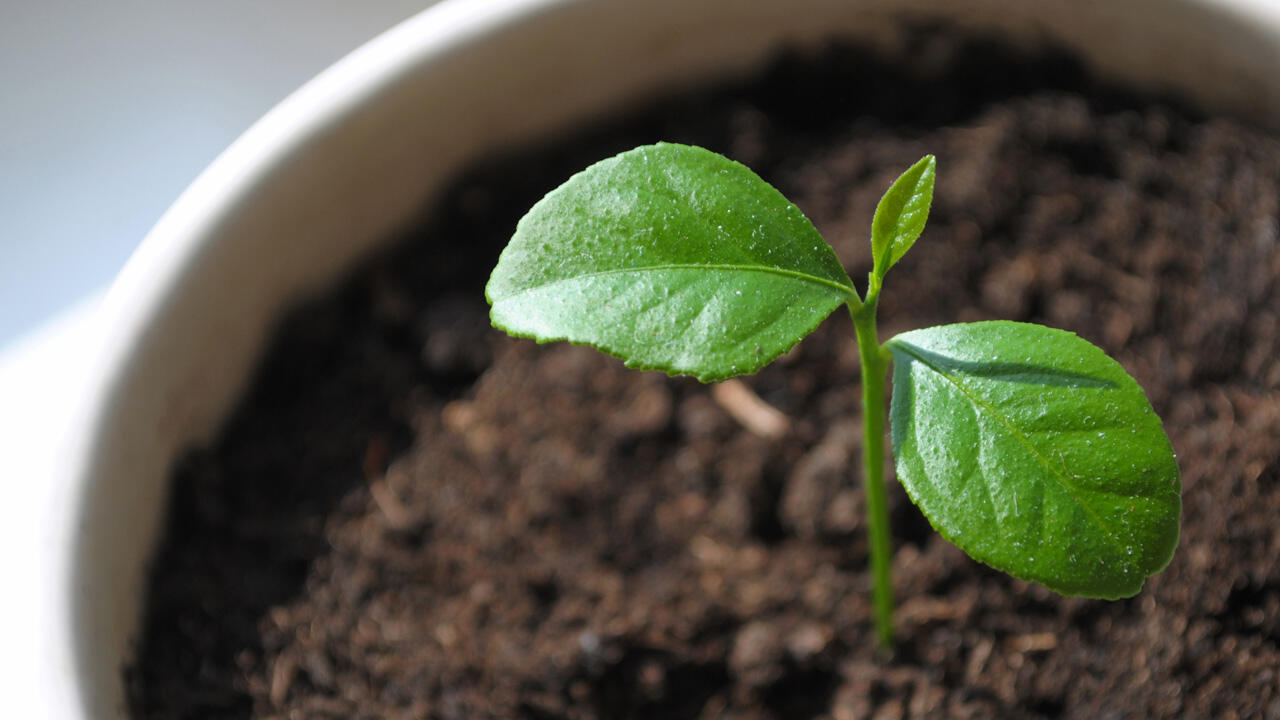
874, 379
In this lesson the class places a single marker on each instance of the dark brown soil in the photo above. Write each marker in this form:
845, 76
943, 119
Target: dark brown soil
414, 516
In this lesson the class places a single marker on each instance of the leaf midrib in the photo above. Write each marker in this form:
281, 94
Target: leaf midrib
846, 291
1021, 438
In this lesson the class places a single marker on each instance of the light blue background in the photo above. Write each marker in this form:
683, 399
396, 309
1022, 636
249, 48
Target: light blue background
108, 110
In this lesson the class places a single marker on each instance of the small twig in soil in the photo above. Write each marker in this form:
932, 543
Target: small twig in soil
745, 406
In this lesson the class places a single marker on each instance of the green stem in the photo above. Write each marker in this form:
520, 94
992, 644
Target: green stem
874, 378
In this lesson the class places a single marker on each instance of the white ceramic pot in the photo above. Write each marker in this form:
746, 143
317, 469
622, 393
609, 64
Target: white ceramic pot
336, 168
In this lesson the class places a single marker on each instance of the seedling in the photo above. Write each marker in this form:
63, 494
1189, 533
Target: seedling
1026, 446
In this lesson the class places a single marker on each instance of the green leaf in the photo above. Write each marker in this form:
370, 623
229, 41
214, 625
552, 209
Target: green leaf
1035, 453
670, 257
901, 215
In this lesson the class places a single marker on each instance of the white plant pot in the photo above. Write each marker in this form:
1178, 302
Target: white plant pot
336, 168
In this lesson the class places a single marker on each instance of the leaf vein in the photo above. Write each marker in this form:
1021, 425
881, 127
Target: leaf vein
846, 291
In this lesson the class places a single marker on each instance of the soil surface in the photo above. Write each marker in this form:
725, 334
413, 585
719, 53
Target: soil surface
414, 516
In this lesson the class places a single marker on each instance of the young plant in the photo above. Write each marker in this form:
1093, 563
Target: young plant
1026, 446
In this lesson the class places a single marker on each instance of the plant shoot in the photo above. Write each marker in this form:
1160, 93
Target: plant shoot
1026, 446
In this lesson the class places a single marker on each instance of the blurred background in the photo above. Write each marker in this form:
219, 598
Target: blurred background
109, 110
